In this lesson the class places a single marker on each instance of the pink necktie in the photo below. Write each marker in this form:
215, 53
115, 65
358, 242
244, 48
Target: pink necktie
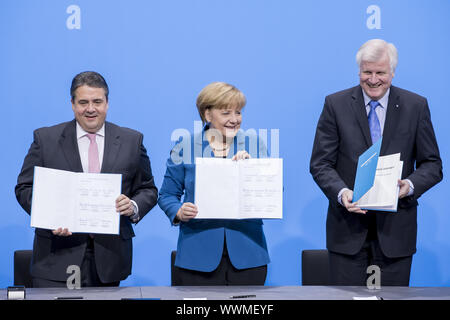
94, 163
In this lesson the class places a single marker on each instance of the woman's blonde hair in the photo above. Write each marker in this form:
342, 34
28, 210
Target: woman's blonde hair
219, 95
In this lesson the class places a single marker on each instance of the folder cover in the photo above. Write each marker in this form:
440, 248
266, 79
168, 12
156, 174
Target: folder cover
365, 173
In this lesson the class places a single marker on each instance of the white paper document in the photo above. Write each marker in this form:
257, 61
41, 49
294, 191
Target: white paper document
81, 202
244, 189
383, 195
366, 298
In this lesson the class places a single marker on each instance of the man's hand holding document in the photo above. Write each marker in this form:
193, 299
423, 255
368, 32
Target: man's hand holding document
80, 202
245, 189
376, 182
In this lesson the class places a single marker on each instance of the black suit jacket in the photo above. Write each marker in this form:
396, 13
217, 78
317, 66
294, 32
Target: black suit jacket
342, 135
56, 147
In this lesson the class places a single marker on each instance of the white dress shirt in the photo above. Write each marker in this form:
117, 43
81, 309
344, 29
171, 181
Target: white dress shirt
83, 145
380, 110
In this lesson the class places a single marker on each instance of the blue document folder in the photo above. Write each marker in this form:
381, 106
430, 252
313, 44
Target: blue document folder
367, 168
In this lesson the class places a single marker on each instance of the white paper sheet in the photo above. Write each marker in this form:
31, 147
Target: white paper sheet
384, 193
366, 298
81, 202
245, 189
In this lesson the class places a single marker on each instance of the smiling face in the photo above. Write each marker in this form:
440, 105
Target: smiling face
227, 120
89, 106
376, 77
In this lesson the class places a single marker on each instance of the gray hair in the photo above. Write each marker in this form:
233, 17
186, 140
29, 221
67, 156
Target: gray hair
373, 50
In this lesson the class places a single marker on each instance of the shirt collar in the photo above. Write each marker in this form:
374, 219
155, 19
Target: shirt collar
81, 132
383, 101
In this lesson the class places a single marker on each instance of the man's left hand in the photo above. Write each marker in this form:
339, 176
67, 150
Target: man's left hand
404, 188
124, 205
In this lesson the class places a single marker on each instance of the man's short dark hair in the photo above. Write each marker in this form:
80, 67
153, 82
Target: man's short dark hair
90, 79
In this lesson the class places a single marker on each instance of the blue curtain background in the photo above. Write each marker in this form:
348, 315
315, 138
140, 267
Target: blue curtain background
156, 56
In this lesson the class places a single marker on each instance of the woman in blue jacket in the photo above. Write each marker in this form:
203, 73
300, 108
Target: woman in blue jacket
214, 251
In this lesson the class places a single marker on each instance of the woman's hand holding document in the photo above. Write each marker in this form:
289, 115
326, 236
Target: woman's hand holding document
67, 202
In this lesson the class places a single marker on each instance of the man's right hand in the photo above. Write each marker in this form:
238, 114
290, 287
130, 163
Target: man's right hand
347, 197
62, 232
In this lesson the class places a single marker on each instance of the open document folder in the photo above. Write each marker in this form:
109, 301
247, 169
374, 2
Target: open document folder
244, 189
81, 202
376, 183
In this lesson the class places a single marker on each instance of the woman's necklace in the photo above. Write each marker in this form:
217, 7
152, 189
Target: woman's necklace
219, 148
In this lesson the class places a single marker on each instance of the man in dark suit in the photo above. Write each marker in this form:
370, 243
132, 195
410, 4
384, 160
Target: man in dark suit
89, 144
347, 127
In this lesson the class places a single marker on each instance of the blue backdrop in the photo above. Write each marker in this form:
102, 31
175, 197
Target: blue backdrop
286, 56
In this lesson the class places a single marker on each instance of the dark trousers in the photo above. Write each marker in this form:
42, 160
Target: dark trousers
88, 270
351, 270
224, 275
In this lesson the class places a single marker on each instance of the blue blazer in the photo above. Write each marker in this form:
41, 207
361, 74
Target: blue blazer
201, 241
